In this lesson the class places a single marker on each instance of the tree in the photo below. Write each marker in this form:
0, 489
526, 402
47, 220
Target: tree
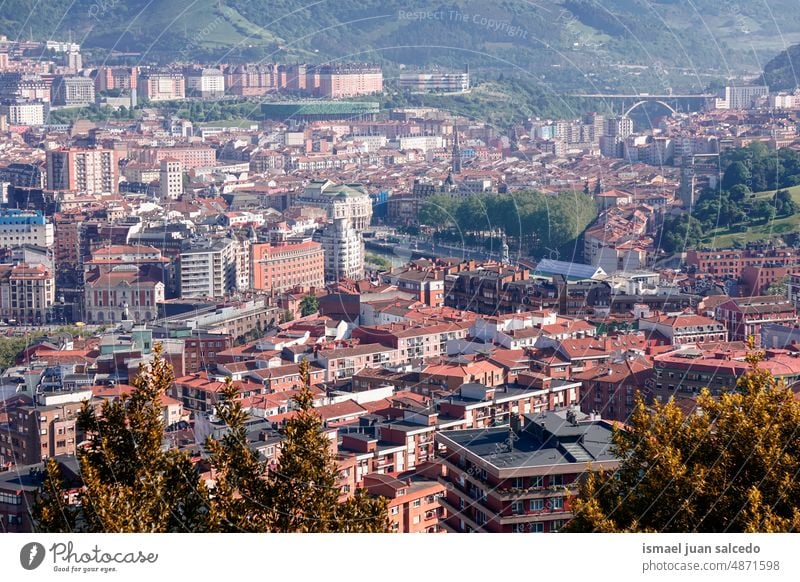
784, 203
309, 304
300, 494
303, 488
436, 211
762, 210
240, 493
51, 512
130, 484
730, 467
735, 174
739, 193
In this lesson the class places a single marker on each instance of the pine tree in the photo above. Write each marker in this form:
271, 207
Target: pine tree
303, 488
731, 467
240, 493
301, 493
130, 484
51, 512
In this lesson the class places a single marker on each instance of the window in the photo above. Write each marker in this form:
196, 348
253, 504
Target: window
517, 507
556, 525
416, 503
557, 503
537, 504
394, 510
556, 480
537, 481
536, 527
416, 519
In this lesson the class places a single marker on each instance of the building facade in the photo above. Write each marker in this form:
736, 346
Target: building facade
279, 267
90, 171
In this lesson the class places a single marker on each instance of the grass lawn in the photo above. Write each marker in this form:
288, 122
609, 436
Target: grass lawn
723, 238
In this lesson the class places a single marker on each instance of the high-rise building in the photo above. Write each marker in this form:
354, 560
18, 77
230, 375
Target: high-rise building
23, 113
344, 251
72, 91
208, 268
742, 96
171, 179
205, 83
278, 267
161, 86
349, 201
25, 227
348, 80
93, 171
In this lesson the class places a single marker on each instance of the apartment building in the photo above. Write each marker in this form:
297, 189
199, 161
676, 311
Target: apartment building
25, 227
521, 478
347, 80
208, 268
72, 91
414, 343
685, 329
731, 262
190, 157
205, 83
413, 501
343, 249
27, 293
161, 85
283, 266
36, 433
89, 171
23, 113
744, 316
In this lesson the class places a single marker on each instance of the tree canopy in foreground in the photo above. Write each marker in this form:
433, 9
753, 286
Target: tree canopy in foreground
731, 467
131, 483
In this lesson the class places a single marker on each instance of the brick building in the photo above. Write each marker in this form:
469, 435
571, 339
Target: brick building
520, 479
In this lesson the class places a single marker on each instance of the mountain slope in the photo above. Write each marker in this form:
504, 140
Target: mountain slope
567, 41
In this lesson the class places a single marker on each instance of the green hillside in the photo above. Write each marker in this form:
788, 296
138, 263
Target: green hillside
589, 45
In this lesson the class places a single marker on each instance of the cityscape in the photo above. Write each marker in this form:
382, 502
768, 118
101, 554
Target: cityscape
304, 293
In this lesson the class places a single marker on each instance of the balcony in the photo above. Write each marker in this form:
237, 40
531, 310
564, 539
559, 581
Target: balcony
454, 512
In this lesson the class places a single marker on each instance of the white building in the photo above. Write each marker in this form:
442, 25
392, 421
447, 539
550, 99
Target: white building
208, 268
23, 113
205, 83
348, 201
426, 82
24, 227
344, 251
171, 179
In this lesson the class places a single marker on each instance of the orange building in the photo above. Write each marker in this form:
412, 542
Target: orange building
413, 503
279, 267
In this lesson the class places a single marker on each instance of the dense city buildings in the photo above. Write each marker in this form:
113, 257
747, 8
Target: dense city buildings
471, 345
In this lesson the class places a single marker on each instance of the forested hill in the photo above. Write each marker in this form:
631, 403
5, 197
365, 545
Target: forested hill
588, 43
